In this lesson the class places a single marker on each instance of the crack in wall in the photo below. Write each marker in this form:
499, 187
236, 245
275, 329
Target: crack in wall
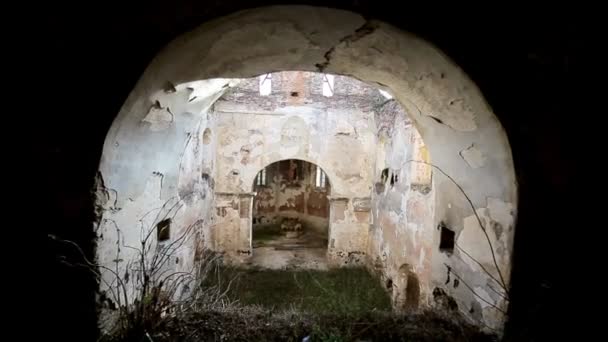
438, 120
366, 29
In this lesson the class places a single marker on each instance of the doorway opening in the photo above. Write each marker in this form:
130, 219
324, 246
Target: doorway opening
290, 218
387, 194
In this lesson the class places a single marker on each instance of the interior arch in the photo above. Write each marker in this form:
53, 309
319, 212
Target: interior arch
290, 216
473, 177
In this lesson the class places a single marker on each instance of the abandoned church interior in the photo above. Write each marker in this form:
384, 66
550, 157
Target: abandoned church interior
211, 153
308, 139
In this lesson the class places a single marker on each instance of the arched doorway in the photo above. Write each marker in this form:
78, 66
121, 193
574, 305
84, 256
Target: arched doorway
463, 137
290, 216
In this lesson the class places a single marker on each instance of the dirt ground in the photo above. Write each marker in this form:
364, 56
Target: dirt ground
275, 250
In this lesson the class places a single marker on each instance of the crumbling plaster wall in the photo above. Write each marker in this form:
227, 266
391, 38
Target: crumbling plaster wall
463, 136
405, 238
476, 274
157, 165
337, 133
403, 210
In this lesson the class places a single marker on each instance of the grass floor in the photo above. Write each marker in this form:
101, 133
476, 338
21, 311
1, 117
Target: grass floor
340, 305
340, 291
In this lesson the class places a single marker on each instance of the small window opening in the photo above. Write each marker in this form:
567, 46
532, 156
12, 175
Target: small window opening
446, 243
394, 179
295, 94
320, 179
328, 85
265, 84
384, 176
261, 177
163, 230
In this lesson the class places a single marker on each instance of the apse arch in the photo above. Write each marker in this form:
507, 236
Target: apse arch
291, 212
463, 136
315, 162
307, 160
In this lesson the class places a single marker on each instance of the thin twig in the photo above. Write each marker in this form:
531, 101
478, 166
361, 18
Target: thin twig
483, 229
475, 293
478, 263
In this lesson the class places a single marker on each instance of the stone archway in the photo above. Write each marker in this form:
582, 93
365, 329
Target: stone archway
464, 138
349, 214
290, 216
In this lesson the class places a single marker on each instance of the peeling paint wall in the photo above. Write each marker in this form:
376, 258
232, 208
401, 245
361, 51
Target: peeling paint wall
141, 159
297, 122
155, 168
231, 230
476, 274
411, 201
348, 231
292, 194
403, 209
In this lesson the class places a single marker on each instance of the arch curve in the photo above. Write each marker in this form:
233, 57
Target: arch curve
464, 138
271, 162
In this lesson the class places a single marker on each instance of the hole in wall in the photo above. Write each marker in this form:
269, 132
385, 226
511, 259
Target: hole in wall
163, 230
295, 94
384, 175
446, 243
